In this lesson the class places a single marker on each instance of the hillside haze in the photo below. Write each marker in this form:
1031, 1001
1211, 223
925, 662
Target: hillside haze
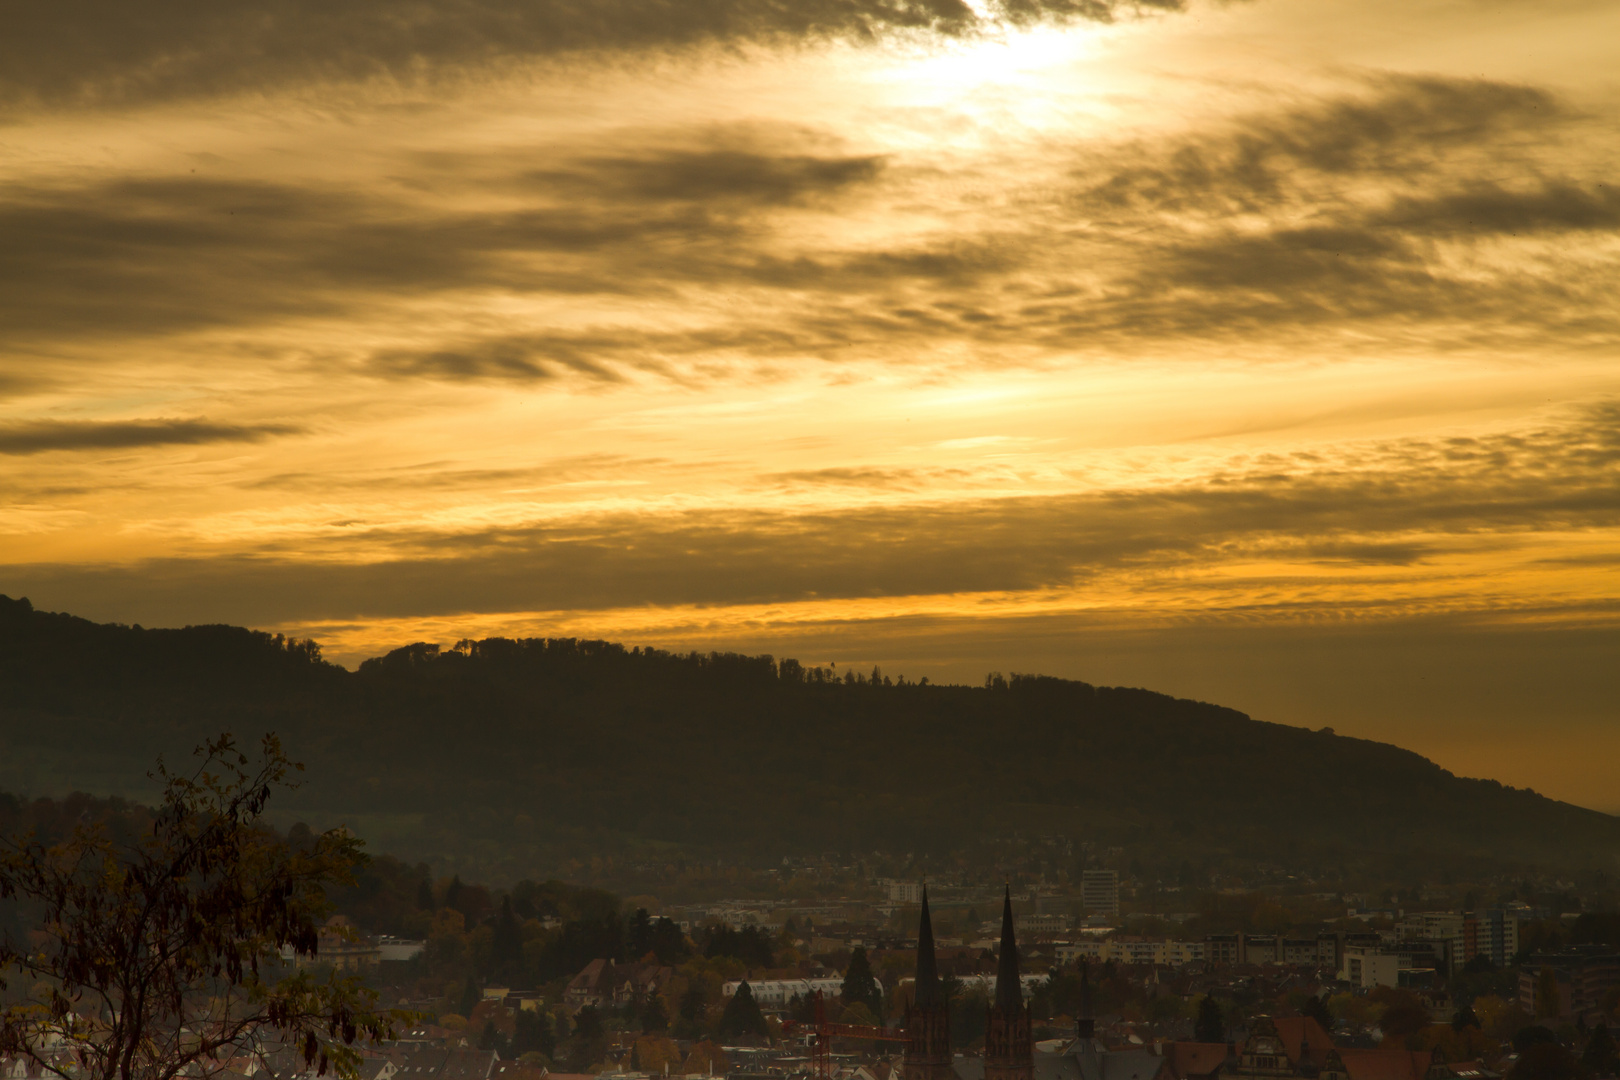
527, 758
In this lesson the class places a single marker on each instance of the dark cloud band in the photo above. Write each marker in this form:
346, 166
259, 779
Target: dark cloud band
1401, 504
42, 435
1372, 205
102, 51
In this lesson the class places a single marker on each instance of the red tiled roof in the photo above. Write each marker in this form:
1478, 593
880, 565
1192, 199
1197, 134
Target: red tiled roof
1191, 1059
1295, 1031
1386, 1064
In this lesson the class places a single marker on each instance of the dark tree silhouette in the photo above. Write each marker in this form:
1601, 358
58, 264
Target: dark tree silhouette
1210, 1027
1545, 1061
1317, 1010
669, 944
589, 1043
653, 1018
1600, 1057
151, 957
860, 985
506, 946
691, 1013
533, 1031
470, 997
640, 933
742, 1016
751, 945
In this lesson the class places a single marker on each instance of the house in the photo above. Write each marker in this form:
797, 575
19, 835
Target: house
512, 1070
602, 983
458, 1063
1383, 1064
1288, 1046
1584, 978
344, 947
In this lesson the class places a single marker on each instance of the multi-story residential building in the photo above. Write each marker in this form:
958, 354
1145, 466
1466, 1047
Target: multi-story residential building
1135, 950
1099, 892
1260, 949
1084, 949
1045, 925
1131, 950
1584, 977
904, 892
1223, 948
777, 993
1182, 952
1443, 928
1493, 932
1300, 951
1366, 967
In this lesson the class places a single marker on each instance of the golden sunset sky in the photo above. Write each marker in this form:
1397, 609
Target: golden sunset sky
1262, 352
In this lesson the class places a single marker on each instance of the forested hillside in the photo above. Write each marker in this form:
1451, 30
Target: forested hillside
523, 758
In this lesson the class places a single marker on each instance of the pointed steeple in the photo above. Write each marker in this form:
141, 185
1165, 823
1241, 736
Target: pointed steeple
928, 1018
1009, 1045
1085, 1026
1009, 991
929, 991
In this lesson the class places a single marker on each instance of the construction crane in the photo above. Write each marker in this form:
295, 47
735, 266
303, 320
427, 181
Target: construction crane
825, 1031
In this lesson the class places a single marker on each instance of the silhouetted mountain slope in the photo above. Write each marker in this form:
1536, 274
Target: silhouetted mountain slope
517, 756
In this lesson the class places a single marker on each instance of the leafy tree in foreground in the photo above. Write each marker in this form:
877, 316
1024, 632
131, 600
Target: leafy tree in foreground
1600, 1057
1545, 1061
149, 957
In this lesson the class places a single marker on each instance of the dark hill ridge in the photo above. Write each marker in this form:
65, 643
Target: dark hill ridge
512, 757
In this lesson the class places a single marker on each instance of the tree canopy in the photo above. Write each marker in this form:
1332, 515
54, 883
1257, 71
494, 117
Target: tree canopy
742, 1017
157, 952
860, 985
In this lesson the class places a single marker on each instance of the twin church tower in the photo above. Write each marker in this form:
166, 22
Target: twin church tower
1009, 1050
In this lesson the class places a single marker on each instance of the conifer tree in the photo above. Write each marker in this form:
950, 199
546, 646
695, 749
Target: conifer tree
742, 1016
641, 937
1317, 1010
506, 947
860, 985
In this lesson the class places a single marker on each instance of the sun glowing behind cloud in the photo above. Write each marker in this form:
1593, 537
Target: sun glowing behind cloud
946, 338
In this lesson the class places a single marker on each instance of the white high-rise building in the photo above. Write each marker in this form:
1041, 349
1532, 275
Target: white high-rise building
905, 892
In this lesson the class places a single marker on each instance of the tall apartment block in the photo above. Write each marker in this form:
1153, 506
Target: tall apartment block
1099, 892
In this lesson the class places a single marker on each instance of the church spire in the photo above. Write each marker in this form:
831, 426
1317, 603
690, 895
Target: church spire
1009, 1045
1009, 990
928, 1018
928, 986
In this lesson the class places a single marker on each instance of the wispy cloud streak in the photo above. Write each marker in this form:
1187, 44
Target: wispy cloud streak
40, 436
